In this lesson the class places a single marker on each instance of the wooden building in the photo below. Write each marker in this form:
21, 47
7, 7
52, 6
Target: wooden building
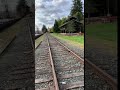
72, 25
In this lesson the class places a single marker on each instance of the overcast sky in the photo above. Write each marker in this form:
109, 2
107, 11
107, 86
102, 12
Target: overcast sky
49, 10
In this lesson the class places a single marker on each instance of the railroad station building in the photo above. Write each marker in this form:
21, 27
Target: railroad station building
72, 23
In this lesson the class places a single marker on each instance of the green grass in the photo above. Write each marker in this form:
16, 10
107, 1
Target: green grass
102, 35
103, 31
38, 40
7, 34
72, 39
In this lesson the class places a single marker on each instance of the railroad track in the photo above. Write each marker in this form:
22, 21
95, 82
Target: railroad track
103, 75
61, 60
64, 69
98, 71
103, 60
43, 70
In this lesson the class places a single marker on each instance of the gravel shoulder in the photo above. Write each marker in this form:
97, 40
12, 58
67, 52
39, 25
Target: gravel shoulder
76, 48
105, 61
38, 41
94, 82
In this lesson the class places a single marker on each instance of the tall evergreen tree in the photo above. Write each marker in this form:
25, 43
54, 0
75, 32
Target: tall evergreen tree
79, 16
56, 27
77, 7
61, 21
44, 29
22, 8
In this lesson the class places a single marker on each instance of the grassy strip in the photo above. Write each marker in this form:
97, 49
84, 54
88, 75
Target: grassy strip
38, 40
102, 35
74, 40
103, 31
8, 33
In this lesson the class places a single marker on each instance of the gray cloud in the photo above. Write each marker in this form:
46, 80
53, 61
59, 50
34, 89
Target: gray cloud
49, 10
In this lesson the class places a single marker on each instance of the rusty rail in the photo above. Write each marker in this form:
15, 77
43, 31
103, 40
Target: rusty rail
53, 69
72, 52
102, 74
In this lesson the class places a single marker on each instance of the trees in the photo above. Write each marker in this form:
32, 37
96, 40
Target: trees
61, 21
71, 27
44, 29
22, 8
56, 27
76, 9
79, 16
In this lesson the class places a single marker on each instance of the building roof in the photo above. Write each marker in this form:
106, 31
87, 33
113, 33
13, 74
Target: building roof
69, 21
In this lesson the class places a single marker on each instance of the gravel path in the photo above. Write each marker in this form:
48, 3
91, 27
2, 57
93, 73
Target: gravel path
66, 65
77, 50
104, 61
43, 71
93, 82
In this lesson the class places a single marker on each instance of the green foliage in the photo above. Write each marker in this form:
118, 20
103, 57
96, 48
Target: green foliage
103, 31
56, 27
22, 8
77, 7
71, 27
44, 29
79, 16
82, 28
61, 21
51, 30
103, 35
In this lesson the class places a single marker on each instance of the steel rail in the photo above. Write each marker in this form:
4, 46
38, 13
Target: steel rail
7, 43
72, 52
53, 69
98, 71
39, 43
103, 74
